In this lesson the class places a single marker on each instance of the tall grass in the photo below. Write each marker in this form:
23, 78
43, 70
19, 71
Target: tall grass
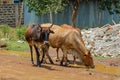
4, 30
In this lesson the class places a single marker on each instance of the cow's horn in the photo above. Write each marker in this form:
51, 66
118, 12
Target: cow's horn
40, 26
51, 25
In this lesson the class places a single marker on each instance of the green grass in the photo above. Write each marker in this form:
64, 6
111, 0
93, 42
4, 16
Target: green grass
13, 34
100, 57
16, 46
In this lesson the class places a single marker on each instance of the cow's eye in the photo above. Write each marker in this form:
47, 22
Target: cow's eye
48, 31
85, 55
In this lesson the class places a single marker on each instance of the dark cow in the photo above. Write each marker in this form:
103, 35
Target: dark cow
70, 40
37, 36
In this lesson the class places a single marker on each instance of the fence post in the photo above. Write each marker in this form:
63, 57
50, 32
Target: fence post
16, 14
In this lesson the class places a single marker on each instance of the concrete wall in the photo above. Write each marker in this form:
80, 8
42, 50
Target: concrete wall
10, 14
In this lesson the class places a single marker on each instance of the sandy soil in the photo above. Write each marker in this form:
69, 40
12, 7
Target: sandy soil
17, 67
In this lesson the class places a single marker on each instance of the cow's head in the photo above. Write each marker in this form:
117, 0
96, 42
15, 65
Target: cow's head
88, 60
45, 31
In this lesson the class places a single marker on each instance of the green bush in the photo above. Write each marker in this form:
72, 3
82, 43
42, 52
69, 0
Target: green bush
20, 33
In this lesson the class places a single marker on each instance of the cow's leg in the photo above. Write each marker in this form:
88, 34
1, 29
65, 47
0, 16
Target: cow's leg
58, 59
47, 54
37, 55
64, 58
74, 62
31, 51
67, 59
61, 62
49, 57
43, 60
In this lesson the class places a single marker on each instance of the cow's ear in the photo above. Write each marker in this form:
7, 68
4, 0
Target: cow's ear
89, 52
51, 31
38, 31
40, 28
85, 55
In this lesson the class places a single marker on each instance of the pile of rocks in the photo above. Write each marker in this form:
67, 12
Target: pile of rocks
104, 41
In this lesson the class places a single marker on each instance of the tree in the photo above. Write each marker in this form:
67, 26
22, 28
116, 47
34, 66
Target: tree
76, 4
21, 13
113, 6
46, 6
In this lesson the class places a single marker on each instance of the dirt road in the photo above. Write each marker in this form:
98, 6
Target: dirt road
17, 67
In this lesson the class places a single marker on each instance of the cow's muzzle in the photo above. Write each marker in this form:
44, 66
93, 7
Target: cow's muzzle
46, 42
92, 66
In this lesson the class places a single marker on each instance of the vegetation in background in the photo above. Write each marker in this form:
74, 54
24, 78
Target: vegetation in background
5, 30
13, 35
46, 6
100, 57
113, 6
20, 33
16, 46
43, 6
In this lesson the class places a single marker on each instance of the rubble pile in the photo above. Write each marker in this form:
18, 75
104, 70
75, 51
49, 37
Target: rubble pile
104, 41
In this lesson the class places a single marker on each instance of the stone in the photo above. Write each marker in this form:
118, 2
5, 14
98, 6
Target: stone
2, 45
103, 41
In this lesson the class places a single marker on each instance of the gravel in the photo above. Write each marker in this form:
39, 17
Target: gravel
103, 41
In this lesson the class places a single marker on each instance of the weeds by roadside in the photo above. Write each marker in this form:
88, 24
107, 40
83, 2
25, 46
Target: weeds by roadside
13, 37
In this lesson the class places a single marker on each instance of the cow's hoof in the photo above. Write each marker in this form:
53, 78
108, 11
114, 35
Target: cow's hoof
57, 60
52, 62
44, 62
66, 65
61, 64
73, 65
33, 63
38, 66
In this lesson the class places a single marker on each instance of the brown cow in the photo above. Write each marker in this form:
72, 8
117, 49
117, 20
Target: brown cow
69, 40
70, 27
37, 36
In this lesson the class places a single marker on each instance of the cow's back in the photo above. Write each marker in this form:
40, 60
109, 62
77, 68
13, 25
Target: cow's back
30, 33
62, 36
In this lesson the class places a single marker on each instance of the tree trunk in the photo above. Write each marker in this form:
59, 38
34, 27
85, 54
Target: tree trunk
16, 15
76, 4
99, 18
20, 17
51, 19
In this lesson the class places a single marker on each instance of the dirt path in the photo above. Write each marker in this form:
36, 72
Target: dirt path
15, 67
